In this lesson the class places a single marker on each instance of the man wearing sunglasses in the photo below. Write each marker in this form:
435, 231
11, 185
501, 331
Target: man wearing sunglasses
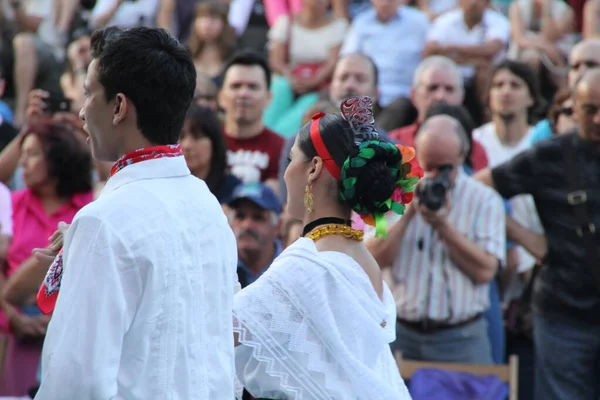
585, 55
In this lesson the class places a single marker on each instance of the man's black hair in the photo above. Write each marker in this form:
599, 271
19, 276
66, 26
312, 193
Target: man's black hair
153, 71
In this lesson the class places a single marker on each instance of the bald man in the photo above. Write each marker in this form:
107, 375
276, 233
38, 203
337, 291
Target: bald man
443, 260
437, 80
583, 56
563, 176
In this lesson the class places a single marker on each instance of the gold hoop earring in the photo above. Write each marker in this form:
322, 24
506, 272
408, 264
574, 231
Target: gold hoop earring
309, 200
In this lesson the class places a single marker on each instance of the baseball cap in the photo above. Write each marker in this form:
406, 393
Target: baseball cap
258, 193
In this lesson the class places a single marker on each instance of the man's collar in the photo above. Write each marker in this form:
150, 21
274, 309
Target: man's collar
167, 167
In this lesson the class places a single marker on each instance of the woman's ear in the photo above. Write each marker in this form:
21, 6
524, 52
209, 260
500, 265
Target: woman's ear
316, 166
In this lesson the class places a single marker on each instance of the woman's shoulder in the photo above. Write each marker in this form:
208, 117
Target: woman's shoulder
82, 199
19, 195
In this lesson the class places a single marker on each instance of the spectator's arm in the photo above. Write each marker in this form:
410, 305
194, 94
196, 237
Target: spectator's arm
324, 73
385, 250
351, 41
518, 31
65, 10
164, 17
25, 282
95, 259
26, 22
340, 9
103, 12
479, 259
279, 46
435, 37
514, 177
497, 36
590, 19
555, 25
487, 50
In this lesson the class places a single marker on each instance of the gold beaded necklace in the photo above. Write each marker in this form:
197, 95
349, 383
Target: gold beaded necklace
335, 229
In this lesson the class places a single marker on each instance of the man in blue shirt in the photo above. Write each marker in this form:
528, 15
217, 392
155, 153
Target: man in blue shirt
254, 218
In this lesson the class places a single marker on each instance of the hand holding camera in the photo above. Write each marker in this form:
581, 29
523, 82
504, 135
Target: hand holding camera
433, 197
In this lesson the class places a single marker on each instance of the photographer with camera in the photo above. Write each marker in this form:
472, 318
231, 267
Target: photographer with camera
444, 252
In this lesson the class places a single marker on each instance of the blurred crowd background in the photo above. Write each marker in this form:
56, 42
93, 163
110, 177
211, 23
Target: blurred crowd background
502, 68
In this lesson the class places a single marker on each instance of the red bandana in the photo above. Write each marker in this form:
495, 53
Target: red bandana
48, 293
148, 153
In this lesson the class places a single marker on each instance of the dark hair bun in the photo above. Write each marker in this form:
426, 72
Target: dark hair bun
369, 175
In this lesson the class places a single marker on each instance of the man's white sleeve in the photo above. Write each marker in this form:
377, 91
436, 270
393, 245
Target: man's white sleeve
94, 310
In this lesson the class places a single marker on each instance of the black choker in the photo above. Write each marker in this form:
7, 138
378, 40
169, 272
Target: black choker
325, 221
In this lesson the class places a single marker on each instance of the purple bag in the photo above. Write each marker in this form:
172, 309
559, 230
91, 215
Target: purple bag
437, 384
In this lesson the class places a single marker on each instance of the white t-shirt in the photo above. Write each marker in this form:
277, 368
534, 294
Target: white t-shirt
523, 207
308, 45
450, 29
129, 14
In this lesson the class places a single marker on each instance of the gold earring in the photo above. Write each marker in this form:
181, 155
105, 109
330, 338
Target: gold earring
309, 200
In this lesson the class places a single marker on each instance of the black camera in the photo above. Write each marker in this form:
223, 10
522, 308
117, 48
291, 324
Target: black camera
431, 192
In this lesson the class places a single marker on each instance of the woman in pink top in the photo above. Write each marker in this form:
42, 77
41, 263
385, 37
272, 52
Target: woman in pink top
57, 170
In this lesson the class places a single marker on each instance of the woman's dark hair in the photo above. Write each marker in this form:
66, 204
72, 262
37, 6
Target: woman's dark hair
556, 108
373, 180
204, 122
68, 159
461, 114
527, 74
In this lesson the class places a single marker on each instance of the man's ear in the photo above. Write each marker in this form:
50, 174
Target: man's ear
121, 108
2, 87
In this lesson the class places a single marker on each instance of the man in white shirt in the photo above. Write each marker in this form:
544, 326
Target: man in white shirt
145, 303
474, 36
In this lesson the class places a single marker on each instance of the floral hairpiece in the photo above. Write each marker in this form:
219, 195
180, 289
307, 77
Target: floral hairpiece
358, 111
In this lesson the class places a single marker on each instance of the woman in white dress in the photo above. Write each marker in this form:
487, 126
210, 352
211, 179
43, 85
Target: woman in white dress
318, 323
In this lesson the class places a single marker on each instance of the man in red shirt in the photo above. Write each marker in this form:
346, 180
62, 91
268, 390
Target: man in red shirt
253, 150
437, 79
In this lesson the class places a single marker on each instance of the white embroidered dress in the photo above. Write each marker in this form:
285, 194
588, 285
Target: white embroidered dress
312, 328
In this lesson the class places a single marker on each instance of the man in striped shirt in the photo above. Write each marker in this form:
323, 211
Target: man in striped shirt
442, 261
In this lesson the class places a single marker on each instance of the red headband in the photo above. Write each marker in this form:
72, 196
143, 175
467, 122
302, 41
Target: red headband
317, 140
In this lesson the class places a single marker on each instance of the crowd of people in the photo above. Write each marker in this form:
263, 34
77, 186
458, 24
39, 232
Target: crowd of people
496, 255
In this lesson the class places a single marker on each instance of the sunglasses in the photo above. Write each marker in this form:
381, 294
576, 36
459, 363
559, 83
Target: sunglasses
203, 96
566, 111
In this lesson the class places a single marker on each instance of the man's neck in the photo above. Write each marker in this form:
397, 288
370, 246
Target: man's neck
134, 142
384, 19
263, 261
471, 22
236, 131
510, 131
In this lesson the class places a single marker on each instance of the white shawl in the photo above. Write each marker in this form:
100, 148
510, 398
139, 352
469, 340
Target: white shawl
312, 327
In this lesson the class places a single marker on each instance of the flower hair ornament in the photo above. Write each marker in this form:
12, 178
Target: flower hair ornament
358, 111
